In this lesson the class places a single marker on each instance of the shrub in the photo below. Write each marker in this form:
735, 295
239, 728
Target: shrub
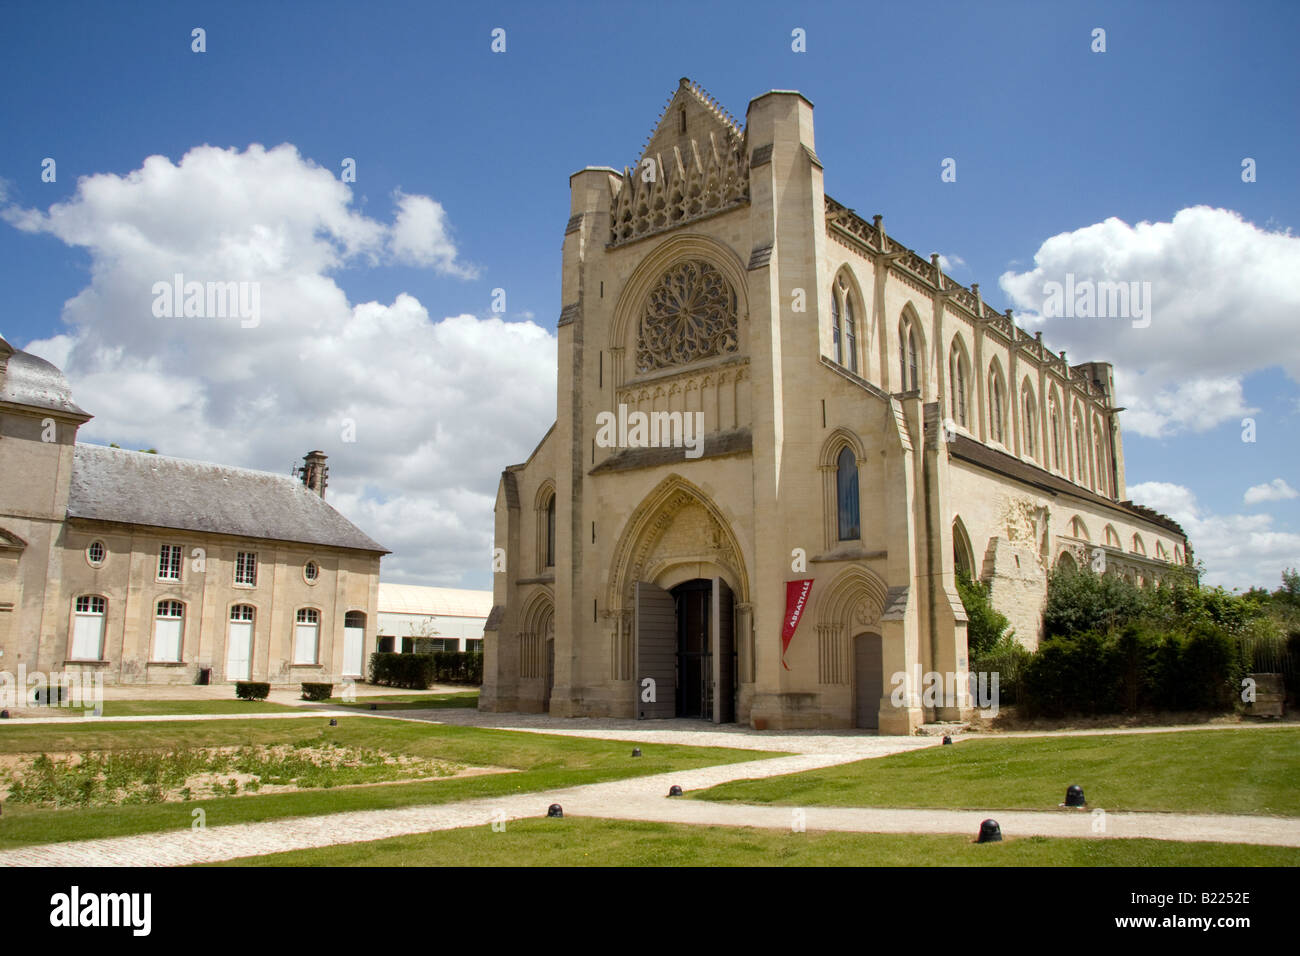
984, 624
1079, 600
252, 690
317, 691
1076, 674
1007, 658
413, 671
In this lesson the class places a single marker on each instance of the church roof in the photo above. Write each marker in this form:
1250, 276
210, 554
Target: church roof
113, 484
27, 379
980, 454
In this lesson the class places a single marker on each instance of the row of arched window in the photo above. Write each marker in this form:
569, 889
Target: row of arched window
167, 640
1089, 466
1111, 538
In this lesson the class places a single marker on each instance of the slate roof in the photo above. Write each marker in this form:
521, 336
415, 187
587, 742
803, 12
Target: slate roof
979, 454
113, 484
30, 380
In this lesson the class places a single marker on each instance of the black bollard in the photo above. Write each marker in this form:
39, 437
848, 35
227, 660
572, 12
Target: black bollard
674, 791
990, 832
555, 810
1074, 796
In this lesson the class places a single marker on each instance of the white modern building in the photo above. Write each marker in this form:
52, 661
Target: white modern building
451, 619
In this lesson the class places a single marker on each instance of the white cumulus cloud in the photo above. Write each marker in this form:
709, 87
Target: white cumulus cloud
1223, 301
1275, 490
418, 414
1239, 550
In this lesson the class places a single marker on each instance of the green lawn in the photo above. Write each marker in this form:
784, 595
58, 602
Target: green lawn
542, 762
410, 701
593, 842
1204, 771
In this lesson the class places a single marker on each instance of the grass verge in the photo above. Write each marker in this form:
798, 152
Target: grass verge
578, 841
1205, 771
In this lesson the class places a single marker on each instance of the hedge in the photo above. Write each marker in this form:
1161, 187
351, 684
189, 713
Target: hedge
252, 690
1136, 668
311, 691
418, 671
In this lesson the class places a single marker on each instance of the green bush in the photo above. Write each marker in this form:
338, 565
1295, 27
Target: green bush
312, 691
252, 690
1078, 600
984, 624
1007, 658
1075, 674
413, 671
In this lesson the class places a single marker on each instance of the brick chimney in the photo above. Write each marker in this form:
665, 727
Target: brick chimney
315, 473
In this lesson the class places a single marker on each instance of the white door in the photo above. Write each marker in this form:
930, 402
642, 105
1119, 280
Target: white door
304, 648
353, 639
239, 650
87, 635
167, 639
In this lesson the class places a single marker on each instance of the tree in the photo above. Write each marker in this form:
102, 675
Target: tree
985, 625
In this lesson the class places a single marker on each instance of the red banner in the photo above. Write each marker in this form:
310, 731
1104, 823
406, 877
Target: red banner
796, 599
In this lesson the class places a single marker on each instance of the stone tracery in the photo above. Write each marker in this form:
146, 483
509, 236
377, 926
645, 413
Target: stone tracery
690, 314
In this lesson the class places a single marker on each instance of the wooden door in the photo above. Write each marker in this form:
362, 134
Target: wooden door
724, 653
868, 680
655, 632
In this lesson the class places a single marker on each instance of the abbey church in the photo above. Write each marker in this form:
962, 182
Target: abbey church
869, 427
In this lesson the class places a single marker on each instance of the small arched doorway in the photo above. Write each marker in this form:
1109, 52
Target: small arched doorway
868, 680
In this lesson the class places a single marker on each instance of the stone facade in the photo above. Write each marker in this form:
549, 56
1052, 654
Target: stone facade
867, 425
82, 537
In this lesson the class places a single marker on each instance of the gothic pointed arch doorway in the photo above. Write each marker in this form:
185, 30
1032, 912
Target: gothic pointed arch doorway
678, 581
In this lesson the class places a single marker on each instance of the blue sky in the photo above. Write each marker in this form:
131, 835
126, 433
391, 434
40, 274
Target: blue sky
1050, 138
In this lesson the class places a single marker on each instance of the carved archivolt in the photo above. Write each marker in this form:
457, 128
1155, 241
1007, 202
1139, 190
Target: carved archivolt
675, 524
690, 314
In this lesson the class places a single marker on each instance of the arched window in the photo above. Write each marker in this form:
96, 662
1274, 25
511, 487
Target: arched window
88, 628
1099, 456
1029, 419
168, 626
963, 556
997, 429
550, 533
306, 636
846, 495
1080, 451
835, 327
909, 363
1054, 415
1112, 537
844, 328
1138, 546
850, 332
957, 384
1078, 529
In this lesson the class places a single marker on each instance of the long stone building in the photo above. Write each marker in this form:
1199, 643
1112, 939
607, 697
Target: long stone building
148, 569
868, 425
